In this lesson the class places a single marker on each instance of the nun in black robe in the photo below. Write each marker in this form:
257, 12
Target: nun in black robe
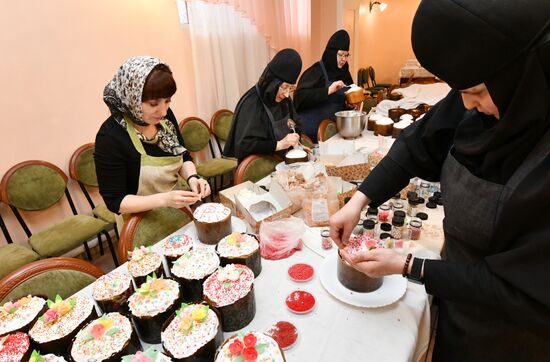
259, 120
493, 283
312, 100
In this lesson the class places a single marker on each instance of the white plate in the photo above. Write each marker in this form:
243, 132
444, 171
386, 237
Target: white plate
392, 289
283, 166
237, 225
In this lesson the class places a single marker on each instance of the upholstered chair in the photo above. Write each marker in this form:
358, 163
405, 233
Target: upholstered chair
256, 167
327, 128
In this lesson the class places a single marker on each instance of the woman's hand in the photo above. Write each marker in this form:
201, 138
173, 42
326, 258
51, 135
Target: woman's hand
343, 222
336, 86
178, 199
377, 262
200, 186
290, 140
308, 151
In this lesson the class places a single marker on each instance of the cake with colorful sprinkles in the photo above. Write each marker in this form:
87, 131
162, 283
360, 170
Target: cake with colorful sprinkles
20, 315
37, 357
15, 347
175, 246
151, 305
150, 355
143, 262
111, 291
240, 248
53, 331
250, 346
213, 222
107, 338
193, 333
192, 269
231, 291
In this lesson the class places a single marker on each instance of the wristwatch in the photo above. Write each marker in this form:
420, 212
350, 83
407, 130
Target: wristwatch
415, 275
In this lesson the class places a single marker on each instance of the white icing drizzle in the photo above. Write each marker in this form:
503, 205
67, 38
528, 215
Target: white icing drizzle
22, 316
196, 264
145, 266
151, 304
110, 285
211, 212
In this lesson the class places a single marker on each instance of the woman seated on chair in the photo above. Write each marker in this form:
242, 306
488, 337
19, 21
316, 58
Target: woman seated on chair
139, 151
261, 121
321, 88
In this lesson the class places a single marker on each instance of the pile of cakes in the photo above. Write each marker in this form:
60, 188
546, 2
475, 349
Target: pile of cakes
250, 346
213, 222
111, 291
240, 248
20, 315
192, 269
143, 262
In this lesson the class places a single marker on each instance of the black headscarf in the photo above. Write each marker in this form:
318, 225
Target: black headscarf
284, 67
467, 43
338, 41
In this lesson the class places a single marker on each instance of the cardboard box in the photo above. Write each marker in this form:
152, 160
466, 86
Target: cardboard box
227, 197
343, 188
348, 173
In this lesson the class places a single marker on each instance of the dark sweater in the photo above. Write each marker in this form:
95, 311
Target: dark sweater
117, 161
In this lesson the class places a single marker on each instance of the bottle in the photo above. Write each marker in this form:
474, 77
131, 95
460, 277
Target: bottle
326, 241
398, 223
415, 227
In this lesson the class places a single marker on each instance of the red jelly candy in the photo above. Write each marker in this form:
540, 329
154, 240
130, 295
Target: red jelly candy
284, 333
301, 272
300, 302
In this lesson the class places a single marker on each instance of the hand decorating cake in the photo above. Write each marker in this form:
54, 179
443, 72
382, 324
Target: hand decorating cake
152, 303
15, 347
37, 357
231, 291
20, 315
107, 338
213, 222
175, 246
192, 269
250, 346
150, 355
143, 262
111, 291
53, 331
240, 248
192, 334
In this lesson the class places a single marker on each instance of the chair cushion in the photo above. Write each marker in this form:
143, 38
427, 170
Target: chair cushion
35, 187
67, 235
216, 167
330, 131
52, 282
13, 256
223, 125
196, 136
85, 168
102, 212
159, 223
259, 169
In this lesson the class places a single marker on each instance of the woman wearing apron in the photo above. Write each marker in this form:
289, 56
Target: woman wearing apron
260, 122
488, 143
321, 88
139, 151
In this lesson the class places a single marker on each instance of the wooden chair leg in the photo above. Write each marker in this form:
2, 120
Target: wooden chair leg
111, 248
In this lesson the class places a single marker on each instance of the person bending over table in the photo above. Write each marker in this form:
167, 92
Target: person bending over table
139, 150
488, 143
321, 88
261, 117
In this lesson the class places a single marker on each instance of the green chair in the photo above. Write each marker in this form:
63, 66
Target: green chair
255, 167
326, 129
306, 141
34, 186
372, 77
82, 170
5, 231
220, 124
149, 227
48, 277
199, 141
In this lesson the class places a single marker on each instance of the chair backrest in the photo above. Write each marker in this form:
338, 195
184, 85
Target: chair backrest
255, 167
305, 140
48, 277
372, 76
196, 134
327, 128
149, 227
368, 103
82, 165
220, 124
4, 228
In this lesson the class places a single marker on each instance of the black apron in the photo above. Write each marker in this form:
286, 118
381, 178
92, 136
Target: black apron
279, 126
312, 118
472, 208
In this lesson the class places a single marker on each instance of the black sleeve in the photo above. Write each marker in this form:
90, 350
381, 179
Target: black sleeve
172, 118
311, 89
420, 151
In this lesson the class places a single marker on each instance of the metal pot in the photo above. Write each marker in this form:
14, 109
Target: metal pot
350, 124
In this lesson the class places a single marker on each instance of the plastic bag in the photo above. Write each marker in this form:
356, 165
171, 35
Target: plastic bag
320, 202
281, 238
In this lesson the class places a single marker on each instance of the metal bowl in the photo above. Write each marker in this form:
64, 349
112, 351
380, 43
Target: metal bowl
350, 124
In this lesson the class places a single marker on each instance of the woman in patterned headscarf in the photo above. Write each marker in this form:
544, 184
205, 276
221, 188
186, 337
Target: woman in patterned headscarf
139, 151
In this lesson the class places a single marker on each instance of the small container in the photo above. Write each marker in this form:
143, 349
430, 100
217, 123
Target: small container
383, 127
372, 213
424, 190
415, 227
431, 205
385, 227
385, 236
412, 208
384, 213
422, 216
397, 206
358, 230
326, 241
399, 213
368, 228
397, 227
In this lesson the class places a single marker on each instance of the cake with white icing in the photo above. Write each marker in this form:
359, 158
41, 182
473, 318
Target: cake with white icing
250, 346
111, 291
107, 338
37, 357
149, 355
15, 347
212, 222
20, 315
231, 291
192, 269
176, 245
152, 303
193, 333
296, 155
143, 262
240, 248
53, 331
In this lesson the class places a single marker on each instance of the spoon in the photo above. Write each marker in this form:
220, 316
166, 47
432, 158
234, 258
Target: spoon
292, 125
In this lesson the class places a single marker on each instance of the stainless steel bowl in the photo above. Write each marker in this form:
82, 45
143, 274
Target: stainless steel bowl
350, 124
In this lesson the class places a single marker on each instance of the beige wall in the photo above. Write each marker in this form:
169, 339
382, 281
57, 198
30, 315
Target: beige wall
56, 57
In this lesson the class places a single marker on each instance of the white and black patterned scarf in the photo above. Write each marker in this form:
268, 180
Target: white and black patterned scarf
123, 97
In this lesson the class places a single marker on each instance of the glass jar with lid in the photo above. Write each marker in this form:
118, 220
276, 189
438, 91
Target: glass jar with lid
398, 226
369, 228
415, 228
384, 212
